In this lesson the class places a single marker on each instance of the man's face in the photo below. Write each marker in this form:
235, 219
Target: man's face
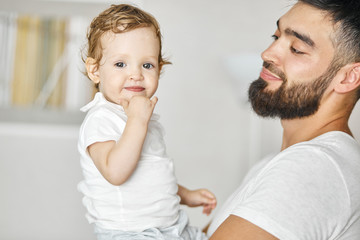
297, 66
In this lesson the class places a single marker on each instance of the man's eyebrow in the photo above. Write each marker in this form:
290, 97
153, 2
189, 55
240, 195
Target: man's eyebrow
305, 38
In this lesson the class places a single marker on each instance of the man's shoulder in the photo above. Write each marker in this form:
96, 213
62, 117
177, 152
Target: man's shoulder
334, 145
329, 155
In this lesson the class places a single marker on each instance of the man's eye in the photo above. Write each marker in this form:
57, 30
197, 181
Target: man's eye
120, 64
275, 37
294, 50
148, 65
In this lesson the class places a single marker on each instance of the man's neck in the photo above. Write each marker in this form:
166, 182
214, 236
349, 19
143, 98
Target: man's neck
305, 129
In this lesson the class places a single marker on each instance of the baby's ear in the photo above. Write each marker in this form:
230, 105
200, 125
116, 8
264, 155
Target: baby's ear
350, 80
92, 70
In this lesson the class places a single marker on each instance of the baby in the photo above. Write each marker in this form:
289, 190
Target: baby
130, 190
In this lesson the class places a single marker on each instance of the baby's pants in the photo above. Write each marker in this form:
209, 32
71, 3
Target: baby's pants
179, 231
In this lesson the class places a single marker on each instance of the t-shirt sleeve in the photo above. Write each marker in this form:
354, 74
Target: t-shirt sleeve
101, 126
301, 195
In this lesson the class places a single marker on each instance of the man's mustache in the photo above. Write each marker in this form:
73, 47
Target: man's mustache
274, 70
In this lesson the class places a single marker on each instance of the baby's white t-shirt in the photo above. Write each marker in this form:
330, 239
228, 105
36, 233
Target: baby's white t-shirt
148, 199
310, 190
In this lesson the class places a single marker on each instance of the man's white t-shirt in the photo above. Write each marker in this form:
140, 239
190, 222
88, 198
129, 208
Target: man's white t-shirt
148, 199
310, 190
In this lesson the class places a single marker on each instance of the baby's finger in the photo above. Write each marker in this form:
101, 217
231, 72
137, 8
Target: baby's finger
208, 194
209, 200
154, 100
204, 200
124, 103
207, 209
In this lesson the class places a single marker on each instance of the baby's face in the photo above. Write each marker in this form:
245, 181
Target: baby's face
130, 64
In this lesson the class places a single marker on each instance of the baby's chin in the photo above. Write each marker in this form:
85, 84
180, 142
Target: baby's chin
117, 100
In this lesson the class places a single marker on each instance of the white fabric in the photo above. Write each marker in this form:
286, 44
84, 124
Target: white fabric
310, 190
148, 199
179, 231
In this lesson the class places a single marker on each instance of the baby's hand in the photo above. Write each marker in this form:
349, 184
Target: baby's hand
139, 107
201, 197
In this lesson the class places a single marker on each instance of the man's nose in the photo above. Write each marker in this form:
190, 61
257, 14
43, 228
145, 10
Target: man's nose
273, 54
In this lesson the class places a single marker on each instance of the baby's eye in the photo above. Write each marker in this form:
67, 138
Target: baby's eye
148, 65
120, 64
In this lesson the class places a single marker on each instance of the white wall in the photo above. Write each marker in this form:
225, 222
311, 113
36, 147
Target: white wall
39, 171
209, 130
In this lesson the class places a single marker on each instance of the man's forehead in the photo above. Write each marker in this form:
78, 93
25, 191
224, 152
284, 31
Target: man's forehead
307, 23
308, 13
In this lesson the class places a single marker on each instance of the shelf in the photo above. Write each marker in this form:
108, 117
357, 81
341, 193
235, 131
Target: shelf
40, 116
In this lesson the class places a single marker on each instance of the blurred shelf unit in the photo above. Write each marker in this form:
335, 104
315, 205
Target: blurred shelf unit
41, 60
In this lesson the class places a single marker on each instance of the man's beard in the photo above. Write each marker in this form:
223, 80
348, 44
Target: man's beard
289, 102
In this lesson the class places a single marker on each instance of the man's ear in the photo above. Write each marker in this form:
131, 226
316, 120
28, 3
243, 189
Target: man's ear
350, 80
92, 70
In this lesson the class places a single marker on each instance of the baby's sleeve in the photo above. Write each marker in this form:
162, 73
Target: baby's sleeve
101, 126
301, 195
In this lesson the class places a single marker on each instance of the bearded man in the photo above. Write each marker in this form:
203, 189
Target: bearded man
311, 80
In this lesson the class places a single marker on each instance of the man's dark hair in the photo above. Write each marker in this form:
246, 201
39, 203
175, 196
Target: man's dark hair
346, 16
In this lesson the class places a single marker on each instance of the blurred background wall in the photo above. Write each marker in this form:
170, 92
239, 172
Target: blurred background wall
211, 133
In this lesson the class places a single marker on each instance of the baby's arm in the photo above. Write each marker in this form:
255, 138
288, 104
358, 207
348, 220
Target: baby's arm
117, 161
199, 197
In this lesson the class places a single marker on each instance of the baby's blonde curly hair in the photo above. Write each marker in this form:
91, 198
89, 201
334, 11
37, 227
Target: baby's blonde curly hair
118, 19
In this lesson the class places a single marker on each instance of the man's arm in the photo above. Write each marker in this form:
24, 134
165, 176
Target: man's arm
238, 228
